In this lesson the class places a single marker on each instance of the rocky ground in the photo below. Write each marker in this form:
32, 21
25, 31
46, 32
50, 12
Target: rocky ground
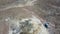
48, 10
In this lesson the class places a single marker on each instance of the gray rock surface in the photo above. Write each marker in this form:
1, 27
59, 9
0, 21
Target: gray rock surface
49, 10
